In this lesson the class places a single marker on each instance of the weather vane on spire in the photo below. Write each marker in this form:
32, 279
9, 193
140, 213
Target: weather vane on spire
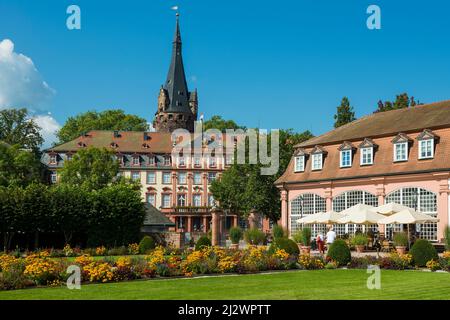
175, 8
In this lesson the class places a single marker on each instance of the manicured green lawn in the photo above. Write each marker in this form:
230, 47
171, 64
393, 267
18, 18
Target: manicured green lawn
323, 284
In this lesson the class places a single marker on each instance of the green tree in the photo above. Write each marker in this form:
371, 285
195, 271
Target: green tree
216, 122
106, 120
344, 113
91, 168
69, 210
11, 218
242, 187
18, 167
402, 101
116, 215
18, 128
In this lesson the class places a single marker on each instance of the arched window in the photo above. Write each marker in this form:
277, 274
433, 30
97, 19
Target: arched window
348, 199
418, 199
308, 203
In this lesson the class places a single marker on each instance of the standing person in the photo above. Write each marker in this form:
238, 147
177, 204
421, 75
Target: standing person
319, 241
331, 236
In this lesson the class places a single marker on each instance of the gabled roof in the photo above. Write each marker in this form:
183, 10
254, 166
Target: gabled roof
367, 143
346, 145
154, 217
413, 119
401, 137
427, 134
136, 142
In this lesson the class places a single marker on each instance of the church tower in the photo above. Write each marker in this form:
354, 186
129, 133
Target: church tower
177, 107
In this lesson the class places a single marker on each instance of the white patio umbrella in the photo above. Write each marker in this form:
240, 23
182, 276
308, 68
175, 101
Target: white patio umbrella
408, 216
329, 217
390, 208
364, 216
360, 214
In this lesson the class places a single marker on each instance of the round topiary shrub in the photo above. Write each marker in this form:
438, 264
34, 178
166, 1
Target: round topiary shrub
285, 244
202, 242
423, 251
339, 252
147, 243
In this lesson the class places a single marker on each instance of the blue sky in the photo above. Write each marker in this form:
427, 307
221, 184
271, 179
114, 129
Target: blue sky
283, 64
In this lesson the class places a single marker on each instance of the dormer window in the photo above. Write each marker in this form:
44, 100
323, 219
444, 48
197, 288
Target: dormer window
136, 161
426, 149
151, 161
346, 154
317, 155
401, 147
299, 160
366, 156
53, 159
367, 149
426, 144
317, 161
212, 162
346, 158
197, 161
299, 163
167, 161
401, 151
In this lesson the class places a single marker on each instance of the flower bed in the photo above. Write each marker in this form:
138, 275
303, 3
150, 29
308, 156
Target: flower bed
41, 269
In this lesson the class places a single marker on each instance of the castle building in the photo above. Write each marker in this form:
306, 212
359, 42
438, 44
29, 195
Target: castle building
178, 185
400, 156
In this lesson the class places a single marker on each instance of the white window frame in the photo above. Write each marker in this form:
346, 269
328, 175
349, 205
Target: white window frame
421, 146
370, 154
138, 176
299, 165
397, 145
151, 181
184, 175
153, 196
163, 198
167, 161
181, 161
53, 159
53, 177
165, 174
197, 161
197, 197
151, 161
212, 162
181, 200
198, 174
341, 164
320, 161
136, 161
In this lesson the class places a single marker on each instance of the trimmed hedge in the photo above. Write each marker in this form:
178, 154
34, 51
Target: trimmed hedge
203, 241
147, 243
285, 244
423, 251
339, 252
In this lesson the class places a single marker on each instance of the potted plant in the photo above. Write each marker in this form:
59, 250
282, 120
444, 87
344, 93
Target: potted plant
360, 241
400, 242
306, 240
297, 237
235, 236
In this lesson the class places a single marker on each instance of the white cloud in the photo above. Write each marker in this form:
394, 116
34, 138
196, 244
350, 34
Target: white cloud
21, 85
49, 127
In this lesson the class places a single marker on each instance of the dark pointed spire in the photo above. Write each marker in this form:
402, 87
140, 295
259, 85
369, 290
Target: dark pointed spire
176, 85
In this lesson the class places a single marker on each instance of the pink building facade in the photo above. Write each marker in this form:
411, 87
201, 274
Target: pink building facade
400, 156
